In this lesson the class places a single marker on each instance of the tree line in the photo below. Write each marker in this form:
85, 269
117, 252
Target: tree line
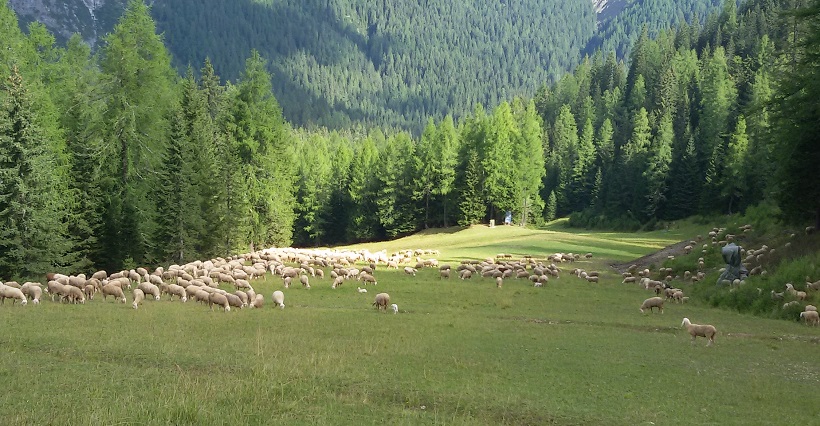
112, 159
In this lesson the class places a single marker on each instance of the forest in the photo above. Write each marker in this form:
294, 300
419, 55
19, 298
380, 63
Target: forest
112, 159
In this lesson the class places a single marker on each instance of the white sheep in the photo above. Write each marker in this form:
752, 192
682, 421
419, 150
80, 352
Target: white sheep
235, 300
33, 291
705, 330
138, 297
9, 292
382, 301
410, 271
811, 317
361, 290
258, 301
177, 290
395, 308
810, 308
115, 290
652, 302
278, 299
219, 300
149, 288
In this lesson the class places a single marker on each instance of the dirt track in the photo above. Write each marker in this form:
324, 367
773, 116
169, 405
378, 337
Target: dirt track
655, 259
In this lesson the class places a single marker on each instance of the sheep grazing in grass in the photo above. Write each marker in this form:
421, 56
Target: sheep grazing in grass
810, 308
235, 301
465, 274
149, 288
395, 308
111, 289
9, 292
305, 281
652, 302
278, 299
499, 282
410, 271
33, 291
704, 330
810, 317
139, 296
444, 273
219, 300
75, 295
382, 301
177, 290
258, 301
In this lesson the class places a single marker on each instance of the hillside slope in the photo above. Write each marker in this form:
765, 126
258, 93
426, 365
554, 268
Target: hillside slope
341, 62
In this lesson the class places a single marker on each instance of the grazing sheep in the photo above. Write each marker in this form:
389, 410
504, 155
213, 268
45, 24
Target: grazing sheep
499, 282
810, 308
75, 295
810, 317
111, 289
235, 300
465, 274
652, 302
368, 279
382, 301
33, 291
149, 288
138, 297
395, 308
242, 296
201, 295
339, 280
410, 271
258, 301
592, 279
219, 300
278, 299
177, 290
9, 292
695, 330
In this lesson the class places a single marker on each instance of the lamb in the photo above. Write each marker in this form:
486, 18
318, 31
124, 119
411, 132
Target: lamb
278, 299
382, 301
32, 290
395, 308
111, 289
652, 302
9, 292
705, 330
361, 290
138, 297
499, 282
810, 317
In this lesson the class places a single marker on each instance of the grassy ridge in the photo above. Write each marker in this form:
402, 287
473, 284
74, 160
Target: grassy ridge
459, 352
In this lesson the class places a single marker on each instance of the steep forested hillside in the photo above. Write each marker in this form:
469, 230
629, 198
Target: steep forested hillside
386, 63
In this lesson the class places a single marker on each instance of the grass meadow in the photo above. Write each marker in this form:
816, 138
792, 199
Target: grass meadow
458, 353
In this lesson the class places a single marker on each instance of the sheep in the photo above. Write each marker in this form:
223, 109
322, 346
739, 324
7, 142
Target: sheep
219, 300
111, 289
368, 279
258, 301
382, 301
705, 330
201, 295
9, 292
810, 308
592, 279
410, 271
149, 288
499, 282
652, 302
75, 295
138, 297
810, 317
465, 274
33, 291
395, 308
177, 290
54, 288
89, 291
235, 300
361, 290
278, 299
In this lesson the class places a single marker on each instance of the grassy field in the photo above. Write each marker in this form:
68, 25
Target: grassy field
459, 352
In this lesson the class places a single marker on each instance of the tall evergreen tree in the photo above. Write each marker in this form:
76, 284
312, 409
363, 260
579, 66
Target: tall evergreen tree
138, 81
33, 237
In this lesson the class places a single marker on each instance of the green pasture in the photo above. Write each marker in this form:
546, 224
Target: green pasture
459, 352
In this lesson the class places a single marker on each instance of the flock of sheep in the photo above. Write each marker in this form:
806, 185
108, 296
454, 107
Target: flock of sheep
200, 280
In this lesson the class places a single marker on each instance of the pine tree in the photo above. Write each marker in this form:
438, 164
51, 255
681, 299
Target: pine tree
528, 153
33, 237
657, 171
471, 204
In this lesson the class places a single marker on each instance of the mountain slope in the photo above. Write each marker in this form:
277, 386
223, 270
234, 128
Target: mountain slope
341, 62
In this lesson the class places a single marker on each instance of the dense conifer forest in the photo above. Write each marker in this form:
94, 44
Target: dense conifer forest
112, 158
